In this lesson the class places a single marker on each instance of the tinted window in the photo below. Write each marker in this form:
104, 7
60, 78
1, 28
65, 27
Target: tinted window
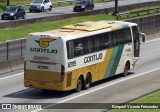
98, 42
46, 1
38, 1
11, 9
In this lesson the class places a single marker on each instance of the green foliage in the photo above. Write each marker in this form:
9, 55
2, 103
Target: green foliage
152, 98
23, 31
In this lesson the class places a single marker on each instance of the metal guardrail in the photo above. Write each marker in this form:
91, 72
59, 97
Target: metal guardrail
138, 13
12, 49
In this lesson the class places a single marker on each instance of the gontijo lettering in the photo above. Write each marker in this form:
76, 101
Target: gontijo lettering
93, 58
43, 50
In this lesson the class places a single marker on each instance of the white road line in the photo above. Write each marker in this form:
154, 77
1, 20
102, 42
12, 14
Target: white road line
152, 40
102, 87
12, 75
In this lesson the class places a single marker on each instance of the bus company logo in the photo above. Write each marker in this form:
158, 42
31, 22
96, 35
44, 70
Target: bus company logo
44, 42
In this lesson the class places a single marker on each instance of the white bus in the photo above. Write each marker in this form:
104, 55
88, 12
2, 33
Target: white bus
77, 55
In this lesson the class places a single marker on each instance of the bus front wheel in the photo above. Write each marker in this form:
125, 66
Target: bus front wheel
126, 69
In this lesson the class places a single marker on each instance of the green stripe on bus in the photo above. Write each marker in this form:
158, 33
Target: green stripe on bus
108, 69
117, 58
114, 61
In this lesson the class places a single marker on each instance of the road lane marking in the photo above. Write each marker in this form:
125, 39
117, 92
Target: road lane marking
152, 40
102, 87
12, 75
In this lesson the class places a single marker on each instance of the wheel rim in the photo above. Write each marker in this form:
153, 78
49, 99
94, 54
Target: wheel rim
24, 16
50, 8
88, 82
42, 9
79, 85
125, 71
15, 17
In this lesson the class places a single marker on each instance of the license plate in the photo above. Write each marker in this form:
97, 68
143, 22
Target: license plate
42, 83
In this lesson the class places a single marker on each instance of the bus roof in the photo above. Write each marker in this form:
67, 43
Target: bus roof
85, 27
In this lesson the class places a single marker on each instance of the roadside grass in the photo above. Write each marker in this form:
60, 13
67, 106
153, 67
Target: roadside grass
151, 98
23, 31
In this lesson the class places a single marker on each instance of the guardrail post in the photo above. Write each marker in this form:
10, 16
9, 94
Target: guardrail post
156, 21
21, 47
106, 11
141, 24
8, 2
149, 23
7, 50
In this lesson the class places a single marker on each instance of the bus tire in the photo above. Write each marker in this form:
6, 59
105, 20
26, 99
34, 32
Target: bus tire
126, 69
79, 84
87, 83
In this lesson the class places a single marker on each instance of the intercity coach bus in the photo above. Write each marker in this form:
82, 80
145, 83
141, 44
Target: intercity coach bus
77, 55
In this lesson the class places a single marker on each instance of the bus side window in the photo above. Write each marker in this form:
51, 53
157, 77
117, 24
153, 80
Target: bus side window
109, 40
103, 41
116, 38
85, 46
91, 44
97, 42
78, 48
70, 49
127, 35
121, 36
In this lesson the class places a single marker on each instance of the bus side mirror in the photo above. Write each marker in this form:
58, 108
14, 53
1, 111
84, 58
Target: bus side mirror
143, 37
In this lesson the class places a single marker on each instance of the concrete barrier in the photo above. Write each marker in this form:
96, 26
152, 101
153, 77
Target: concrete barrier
5, 67
17, 23
11, 65
17, 64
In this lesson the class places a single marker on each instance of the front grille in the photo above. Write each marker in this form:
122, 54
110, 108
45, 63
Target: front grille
5, 14
78, 7
33, 7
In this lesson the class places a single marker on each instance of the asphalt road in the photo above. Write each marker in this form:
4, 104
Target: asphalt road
68, 10
141, 81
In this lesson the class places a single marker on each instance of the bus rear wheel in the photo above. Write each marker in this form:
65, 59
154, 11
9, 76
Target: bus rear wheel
79, 84
87, 81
